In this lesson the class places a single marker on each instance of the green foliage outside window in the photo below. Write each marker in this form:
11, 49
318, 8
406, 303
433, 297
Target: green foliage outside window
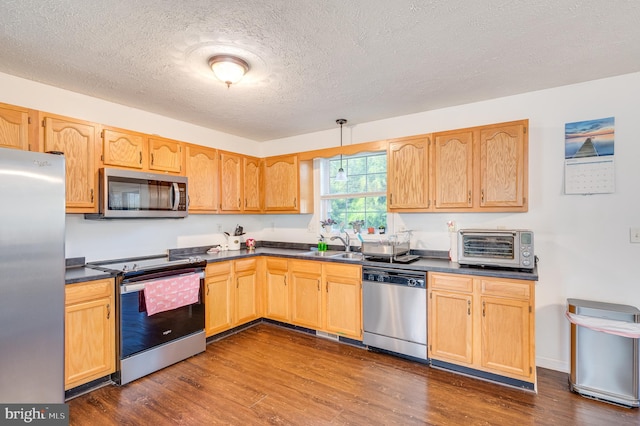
364, 192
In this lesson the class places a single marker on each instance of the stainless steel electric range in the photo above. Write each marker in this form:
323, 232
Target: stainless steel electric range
147, 343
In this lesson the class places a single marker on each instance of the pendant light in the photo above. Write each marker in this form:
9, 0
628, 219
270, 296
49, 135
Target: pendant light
341, 176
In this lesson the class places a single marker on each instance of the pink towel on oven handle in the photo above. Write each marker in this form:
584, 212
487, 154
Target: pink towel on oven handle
170, 293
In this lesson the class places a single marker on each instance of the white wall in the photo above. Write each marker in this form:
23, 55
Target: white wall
582, 241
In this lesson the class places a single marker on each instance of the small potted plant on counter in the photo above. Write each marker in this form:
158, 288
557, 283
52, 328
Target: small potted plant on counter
327, 225
381, 229
357, 225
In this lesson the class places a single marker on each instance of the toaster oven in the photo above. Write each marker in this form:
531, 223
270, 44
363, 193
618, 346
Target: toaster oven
496, 248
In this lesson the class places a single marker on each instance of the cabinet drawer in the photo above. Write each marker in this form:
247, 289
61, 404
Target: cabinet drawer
309, 266
218, 268
245, 265
353, 272
74, 293
277, 264
512, 289
461, 283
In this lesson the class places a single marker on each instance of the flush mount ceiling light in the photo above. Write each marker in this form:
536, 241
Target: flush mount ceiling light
341, 176
228, 69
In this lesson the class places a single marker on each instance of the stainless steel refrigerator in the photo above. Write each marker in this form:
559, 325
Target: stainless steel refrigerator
32, 268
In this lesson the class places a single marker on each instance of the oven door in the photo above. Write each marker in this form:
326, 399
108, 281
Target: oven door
140, 331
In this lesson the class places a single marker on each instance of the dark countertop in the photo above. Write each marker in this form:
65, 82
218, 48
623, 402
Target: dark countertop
76, 272
423, 264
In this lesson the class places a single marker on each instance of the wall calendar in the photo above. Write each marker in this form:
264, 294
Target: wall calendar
588, 157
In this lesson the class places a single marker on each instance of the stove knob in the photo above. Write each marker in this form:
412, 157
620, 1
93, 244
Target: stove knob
412, 282
134, 267
125, 268
380, 278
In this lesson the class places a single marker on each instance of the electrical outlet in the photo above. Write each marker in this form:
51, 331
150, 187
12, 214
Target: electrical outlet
634, 235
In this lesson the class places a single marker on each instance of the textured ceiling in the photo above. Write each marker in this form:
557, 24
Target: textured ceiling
314, 61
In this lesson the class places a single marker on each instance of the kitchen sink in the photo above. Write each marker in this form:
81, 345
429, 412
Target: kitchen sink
348, 256
328, 253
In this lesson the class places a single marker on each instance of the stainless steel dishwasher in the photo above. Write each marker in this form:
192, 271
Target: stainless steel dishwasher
395, 310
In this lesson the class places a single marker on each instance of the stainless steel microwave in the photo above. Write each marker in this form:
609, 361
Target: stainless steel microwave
129, 194
496, 248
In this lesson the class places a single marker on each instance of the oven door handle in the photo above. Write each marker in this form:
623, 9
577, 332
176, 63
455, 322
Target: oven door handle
139, 286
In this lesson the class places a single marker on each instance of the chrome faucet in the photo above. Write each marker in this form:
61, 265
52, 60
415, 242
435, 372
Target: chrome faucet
347, 242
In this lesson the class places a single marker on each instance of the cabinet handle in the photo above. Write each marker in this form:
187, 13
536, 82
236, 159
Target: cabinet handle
108, 311
285, 280
482, 196
391, 199
327, 287
295, 201
152, 159
469, 197
92, 195
483, 309
245, 203
469, 307
318, 282
208, 289
239, 203
140, 157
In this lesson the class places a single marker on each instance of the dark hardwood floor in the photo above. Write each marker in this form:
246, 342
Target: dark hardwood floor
272, 375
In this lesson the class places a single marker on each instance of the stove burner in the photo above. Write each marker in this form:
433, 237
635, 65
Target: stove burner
146, 264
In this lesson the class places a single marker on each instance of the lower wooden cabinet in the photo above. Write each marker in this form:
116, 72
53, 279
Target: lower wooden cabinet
276, 289
483, 323
89, 340
231, 295
343, 302
323, 296
306, 295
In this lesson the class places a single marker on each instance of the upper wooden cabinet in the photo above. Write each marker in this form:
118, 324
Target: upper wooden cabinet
121, 148
165, 155
252, 185
503, 164
281, 194
14, 127
201, 167
453, 170
231, 182
408, 174
77, 141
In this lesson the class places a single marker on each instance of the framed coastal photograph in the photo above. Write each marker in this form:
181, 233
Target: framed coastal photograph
589, 157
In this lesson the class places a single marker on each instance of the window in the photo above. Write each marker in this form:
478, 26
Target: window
362, 197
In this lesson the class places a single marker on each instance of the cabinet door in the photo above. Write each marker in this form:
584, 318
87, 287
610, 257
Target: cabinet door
281, 184
343, 299
122, 149
306, 295
218, 298
165, 155
202, 170
230, 183
408, 174
506, 346
277, 290
451, 326
14, 128
252, 184
246, 291
453, 170
77, 141
502, 166
89, 332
